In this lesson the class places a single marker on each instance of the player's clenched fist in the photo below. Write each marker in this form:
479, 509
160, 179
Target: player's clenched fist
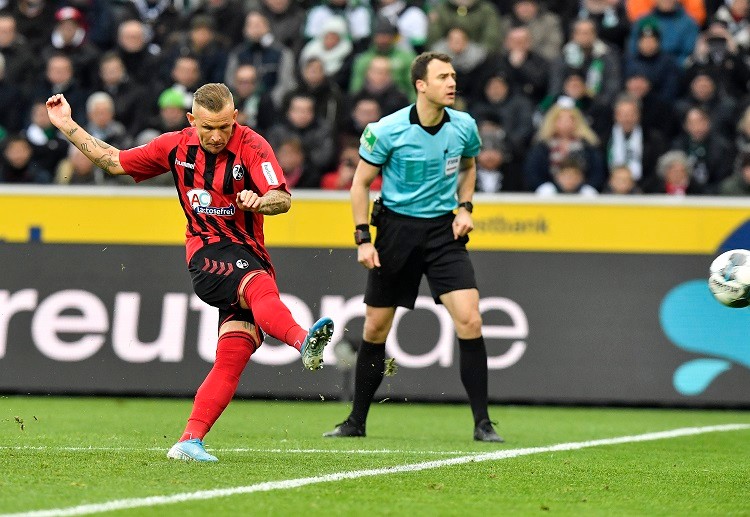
248, 200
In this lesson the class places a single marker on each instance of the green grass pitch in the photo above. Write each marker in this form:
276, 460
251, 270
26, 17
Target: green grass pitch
60, 454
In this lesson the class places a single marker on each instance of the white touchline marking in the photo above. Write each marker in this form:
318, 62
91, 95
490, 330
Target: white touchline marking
232, 450
124, 504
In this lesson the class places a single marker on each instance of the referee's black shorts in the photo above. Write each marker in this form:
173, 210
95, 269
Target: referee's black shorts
217, 271
409, 247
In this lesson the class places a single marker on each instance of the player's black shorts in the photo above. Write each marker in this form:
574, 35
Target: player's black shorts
217, 271
410, 247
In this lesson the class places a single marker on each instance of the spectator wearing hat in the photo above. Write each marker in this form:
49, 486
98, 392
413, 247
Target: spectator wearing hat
286, 18
202, 42
544, 26
21, 66
99, 21
334, 49
35, 20
649, 59
171, 116
358, 16
611, 19
600, 63
703, 92
69, 37
384, 43
477, 18
410, 20
674, 176
679, 31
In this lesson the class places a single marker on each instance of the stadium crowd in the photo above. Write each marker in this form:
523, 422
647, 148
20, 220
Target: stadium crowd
570, 96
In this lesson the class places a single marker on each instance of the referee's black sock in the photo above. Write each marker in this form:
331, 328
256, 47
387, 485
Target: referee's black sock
368, 376
473, 364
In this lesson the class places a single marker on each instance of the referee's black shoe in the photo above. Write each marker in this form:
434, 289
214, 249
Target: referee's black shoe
347, 429
484, 432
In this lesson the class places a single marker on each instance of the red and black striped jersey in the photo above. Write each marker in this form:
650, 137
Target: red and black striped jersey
207, 184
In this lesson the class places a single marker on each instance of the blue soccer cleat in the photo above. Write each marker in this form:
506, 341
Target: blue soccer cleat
190, 450
315, 342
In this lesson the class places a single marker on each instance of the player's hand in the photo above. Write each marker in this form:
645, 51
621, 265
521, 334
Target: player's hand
368, 256
462, 224
58, 110
248, 201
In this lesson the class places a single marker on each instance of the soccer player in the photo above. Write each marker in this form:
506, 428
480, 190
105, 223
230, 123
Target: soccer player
426, 153
227, 179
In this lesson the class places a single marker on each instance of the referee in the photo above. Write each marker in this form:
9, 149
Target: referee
426, 154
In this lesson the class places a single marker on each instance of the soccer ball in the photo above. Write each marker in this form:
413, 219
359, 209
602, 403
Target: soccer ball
729, 279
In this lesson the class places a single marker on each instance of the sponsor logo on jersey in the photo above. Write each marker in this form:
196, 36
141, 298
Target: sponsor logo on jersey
368, 139
184, 164
200, 200
269, 173
238, 172
242, 264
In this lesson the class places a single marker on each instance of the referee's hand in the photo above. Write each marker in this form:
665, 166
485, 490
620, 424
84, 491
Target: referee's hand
368, 256
462, 224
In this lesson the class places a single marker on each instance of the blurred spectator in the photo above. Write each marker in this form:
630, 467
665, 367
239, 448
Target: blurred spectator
334, 49
132, 102
315, 135
704, 93
69, 38
171, 115
358, 16
341, 177
598, 115
202, 42
35, 20
678, 31
290, 154
734, 14
621, 182
274, 62
380, 86
631, 144
673, 176
655, 113
637, 9
511, 110
254, 109
186, 77
329, 99
12, 103
742, 134
467, 58
101, 123
17, 164
716, 54
77, 169
600, 63
498, 169
161, 17
286, 18
364, 110
649, 59
228, 17
141, 59
48, 145
563, 132
410, 20
527, 71
59, 78
738, 184
384, 39
709, 153
544, 26
611, 20
478, 18
21, 66
569, 178
99, 21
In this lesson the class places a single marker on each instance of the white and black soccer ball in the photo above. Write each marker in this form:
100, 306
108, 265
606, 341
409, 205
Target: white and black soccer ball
729, 278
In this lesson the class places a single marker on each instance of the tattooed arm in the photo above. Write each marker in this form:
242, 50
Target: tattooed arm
271, 203
100, 153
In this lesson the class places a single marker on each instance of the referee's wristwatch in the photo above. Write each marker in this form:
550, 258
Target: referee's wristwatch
362, 234
468, 205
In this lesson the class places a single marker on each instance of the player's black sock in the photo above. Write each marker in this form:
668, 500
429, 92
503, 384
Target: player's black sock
368, 376
473, 364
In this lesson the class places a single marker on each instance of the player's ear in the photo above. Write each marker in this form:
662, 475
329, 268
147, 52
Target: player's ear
191, 118
234, 115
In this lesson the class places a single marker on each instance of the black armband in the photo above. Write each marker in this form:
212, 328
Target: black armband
362, 234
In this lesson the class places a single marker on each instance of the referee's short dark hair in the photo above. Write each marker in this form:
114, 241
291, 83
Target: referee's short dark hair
419, 65
213, 97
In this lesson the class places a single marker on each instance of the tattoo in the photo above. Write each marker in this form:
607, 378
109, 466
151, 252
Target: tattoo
106, 163
70, 133
85, 147
275, 202
102, 143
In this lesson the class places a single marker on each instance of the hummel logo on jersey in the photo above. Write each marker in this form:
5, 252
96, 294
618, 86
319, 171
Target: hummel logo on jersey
237, 172
184, 164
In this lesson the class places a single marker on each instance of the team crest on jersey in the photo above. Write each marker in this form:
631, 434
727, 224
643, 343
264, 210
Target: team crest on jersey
368, 139
238, 171
242, 264
200, 200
